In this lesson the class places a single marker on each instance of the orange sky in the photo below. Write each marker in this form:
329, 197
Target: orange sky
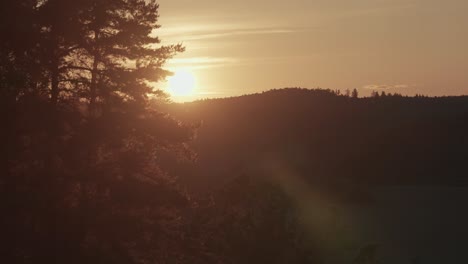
247, 46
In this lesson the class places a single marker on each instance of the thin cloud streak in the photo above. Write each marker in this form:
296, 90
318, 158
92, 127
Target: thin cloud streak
203, 32
201, 62
214, 62
213, 35
386, 86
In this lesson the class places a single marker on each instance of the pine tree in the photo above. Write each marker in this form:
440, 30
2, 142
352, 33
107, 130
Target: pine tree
101, 50
354, 93
90, 183
121, 54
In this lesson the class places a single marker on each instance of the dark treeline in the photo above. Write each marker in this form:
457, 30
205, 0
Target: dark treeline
93, 169
327, 136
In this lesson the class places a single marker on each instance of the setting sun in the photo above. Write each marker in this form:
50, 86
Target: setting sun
182, 83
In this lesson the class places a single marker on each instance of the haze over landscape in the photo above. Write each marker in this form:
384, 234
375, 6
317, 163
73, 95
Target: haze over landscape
240, 47
233, 132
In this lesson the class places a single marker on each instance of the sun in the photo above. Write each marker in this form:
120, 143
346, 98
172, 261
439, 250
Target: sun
182, 83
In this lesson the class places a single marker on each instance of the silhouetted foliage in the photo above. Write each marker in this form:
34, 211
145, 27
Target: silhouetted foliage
81, 177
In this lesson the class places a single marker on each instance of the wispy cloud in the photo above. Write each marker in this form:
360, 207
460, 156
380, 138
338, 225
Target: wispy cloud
213, 31
386, 86
204, 62
201, 62
230, 33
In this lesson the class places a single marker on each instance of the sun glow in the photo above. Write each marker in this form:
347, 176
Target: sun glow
182, 83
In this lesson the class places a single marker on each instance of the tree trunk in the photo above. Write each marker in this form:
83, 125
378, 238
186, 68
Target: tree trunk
54, 82
54, 69
94, 76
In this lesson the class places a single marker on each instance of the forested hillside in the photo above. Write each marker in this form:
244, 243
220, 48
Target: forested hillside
327, 137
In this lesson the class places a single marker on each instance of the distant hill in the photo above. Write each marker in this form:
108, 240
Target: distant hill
328, 138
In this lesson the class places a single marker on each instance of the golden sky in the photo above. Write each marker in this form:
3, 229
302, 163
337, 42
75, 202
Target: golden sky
247, 46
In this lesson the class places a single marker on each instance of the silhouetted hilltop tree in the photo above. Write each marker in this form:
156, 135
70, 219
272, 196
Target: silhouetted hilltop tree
354, 93
375, 94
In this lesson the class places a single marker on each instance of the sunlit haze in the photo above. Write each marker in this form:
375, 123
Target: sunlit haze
181, 85
239, 47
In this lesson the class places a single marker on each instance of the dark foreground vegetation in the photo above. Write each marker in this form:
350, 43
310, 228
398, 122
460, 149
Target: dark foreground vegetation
94, 170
